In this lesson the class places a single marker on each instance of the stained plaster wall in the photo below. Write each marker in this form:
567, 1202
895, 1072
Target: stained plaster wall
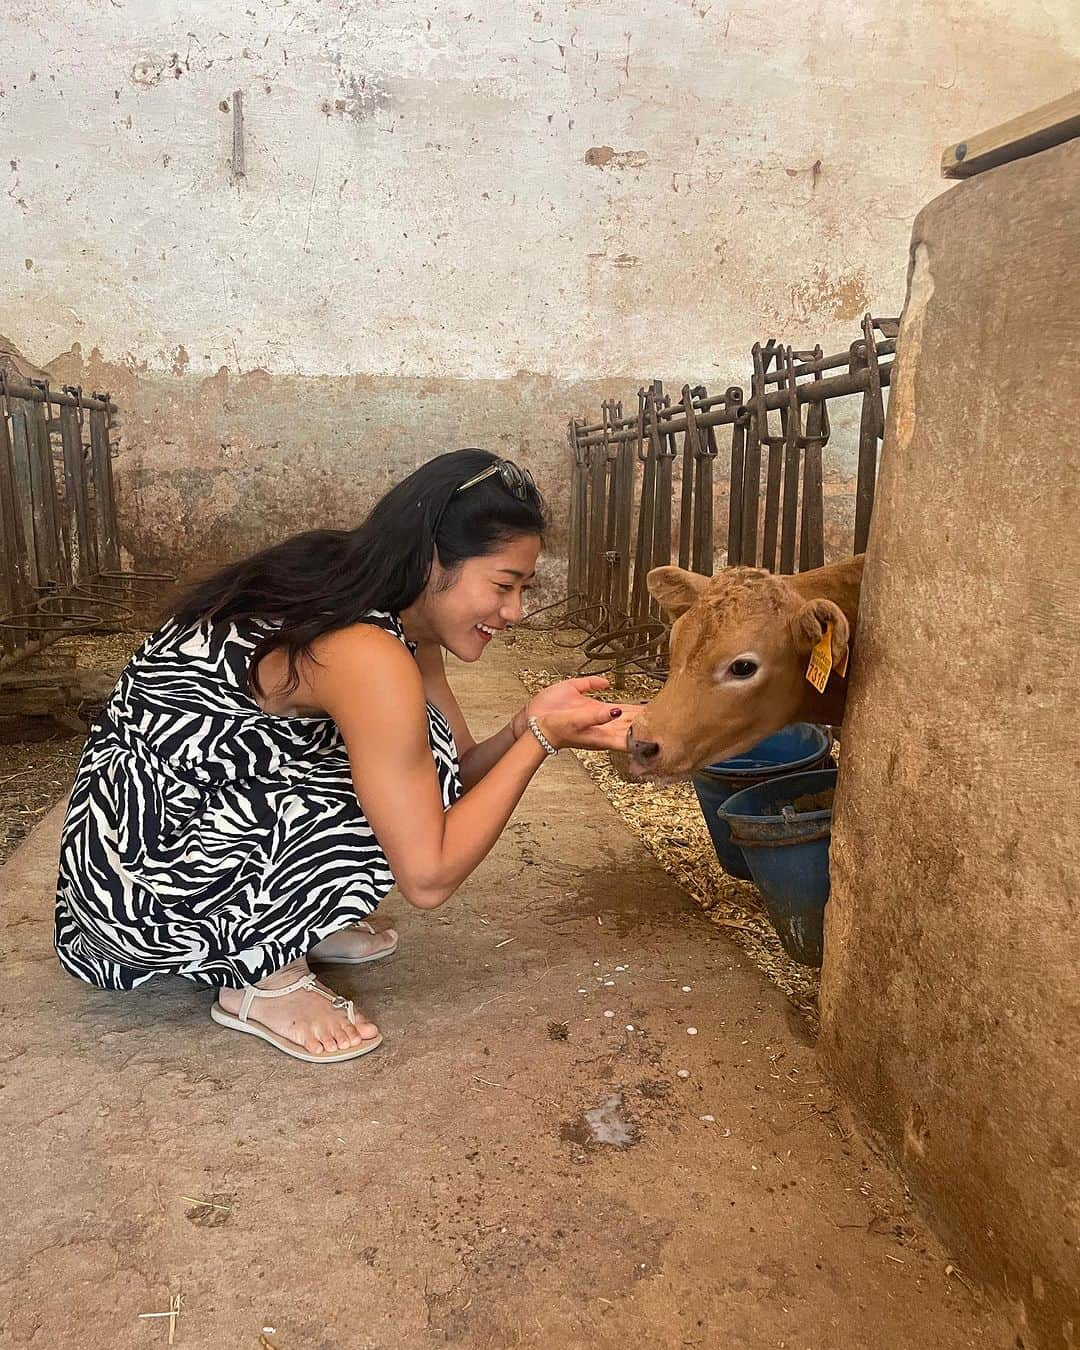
458, 223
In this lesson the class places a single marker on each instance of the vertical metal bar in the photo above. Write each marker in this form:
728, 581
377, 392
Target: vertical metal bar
54, 478
21, 477
81, 545
597, 475
43, 493
689, 472
733, 399
108, 544
704, 506
666, 450
643, 552
792, 429
578, 491
873, 375
864, 490
610, 412
624, 499
771, 529
661, 556
812, 534
13, 552
583, 517
704, 547
752, 464
871, 428
701, 452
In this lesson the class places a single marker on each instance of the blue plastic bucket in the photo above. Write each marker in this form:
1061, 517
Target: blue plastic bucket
800, 746
783, 827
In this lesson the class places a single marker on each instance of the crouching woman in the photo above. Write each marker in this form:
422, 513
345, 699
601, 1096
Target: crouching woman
286, 746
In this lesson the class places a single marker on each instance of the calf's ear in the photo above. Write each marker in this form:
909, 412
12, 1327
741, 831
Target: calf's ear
808, 625
675, 589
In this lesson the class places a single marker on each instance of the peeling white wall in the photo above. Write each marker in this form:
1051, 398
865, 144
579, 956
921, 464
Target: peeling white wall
419, 197
461, 223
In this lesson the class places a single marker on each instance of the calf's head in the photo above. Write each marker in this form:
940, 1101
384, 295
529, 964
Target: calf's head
740, 645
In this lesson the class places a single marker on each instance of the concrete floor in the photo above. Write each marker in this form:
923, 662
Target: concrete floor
452, 1188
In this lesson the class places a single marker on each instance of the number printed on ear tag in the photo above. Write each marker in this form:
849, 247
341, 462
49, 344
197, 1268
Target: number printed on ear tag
821, 661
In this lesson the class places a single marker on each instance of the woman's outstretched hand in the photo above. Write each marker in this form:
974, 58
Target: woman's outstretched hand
572, 720
561, 697
599, 726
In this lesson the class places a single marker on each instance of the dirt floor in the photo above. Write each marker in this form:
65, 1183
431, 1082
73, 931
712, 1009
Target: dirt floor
593, 1123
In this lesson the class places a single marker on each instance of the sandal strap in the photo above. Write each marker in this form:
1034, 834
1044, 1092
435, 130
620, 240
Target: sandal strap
253, 991
335, 1000
309, 981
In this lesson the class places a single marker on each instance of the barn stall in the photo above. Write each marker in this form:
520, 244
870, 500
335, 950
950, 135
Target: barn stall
499, 1186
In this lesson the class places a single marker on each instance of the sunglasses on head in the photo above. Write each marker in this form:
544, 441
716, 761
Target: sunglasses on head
515, 480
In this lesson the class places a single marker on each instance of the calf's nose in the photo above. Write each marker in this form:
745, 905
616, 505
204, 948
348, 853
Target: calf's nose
643, 751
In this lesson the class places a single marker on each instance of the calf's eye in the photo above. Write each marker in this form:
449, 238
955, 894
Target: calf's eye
742, 670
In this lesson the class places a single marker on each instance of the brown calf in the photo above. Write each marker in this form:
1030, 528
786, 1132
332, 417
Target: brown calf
740, 646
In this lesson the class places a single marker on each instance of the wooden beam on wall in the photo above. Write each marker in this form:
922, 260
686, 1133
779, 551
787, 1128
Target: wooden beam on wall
1033, 131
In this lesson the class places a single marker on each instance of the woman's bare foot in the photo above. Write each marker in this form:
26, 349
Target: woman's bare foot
305, 1018
355, 946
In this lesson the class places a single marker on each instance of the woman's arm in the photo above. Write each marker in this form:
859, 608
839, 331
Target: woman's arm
373, 689
476, 758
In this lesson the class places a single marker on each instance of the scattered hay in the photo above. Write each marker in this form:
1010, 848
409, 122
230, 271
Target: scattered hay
36, 774
32, 777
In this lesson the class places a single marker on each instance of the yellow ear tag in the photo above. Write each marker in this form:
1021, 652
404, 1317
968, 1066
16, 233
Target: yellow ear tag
821, 661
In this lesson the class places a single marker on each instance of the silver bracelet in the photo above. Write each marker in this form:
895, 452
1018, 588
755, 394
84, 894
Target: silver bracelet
534, 727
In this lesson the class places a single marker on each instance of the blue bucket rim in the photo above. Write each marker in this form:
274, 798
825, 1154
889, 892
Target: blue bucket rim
717, 769
725, 814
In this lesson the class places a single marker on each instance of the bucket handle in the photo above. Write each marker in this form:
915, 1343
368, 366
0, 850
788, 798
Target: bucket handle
780, 843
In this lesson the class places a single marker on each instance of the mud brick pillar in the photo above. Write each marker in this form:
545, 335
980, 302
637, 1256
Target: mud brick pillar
951, 988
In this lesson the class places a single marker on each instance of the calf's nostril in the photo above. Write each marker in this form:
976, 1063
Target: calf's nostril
646, 749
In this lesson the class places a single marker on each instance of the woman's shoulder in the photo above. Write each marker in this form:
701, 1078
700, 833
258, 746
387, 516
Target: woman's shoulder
375, 638
360, 668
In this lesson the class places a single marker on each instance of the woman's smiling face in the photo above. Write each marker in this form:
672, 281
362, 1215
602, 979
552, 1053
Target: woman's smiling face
465, 607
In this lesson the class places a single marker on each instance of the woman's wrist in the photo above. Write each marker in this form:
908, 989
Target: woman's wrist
539, 729
519, 723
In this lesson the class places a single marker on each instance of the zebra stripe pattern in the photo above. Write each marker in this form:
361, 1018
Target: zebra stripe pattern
205, 837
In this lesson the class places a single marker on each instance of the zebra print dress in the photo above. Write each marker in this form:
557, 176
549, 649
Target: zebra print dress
206, 837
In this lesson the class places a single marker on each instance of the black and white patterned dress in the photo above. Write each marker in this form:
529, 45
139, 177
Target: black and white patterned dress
206, 837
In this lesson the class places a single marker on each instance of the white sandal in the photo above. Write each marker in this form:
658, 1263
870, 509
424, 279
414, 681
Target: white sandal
355, 960
240, 1022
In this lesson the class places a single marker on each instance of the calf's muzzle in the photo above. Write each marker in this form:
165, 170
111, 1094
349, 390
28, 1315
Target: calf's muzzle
641, 752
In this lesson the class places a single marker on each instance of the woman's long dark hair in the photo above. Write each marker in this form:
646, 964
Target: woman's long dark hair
316, 582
